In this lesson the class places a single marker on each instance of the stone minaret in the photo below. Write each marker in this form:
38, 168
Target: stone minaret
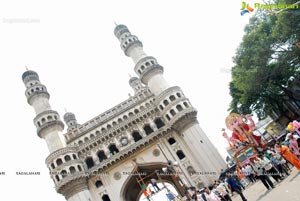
70, 181
175, 108
146, 67
136, 85
47, 121
71, 121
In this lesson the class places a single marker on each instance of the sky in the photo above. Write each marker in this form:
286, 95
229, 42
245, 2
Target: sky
71, 45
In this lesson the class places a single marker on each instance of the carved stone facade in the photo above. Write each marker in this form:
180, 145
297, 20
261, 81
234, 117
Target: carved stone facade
155, 128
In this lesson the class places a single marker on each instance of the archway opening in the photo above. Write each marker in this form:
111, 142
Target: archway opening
105, 198
113, 149
167, 192
140, 181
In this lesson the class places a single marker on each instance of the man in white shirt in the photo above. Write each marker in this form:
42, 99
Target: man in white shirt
211, 196
258, 167
221, 189
250, 171
270, 170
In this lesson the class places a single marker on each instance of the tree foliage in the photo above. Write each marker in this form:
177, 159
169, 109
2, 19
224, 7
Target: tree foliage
265, 63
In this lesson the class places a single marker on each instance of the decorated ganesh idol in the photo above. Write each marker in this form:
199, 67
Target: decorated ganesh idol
242, 132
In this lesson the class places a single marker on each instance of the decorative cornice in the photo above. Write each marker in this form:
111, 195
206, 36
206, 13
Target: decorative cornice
150, 72
130, 151
103, 118
40, 93
48, 125
184, 120
45, 113
111, 132
60, 152
133, 43
166, 92
72, 185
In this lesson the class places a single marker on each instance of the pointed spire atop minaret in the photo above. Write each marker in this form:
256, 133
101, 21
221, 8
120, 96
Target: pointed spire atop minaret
115, 23
26, 68
65, 110
129, 75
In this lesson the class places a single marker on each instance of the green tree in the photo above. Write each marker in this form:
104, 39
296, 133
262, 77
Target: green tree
266, 62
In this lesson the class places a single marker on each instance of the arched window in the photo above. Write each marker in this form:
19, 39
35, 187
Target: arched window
97, 132
92, 136
72, 170
148, 130
166, 102
142, 108
179, 108
178, 95
103, 130
49, 118
79, 168
80, 142
114, 123
57, 178
173, 113
74, 157
161, 107
185, 104
172, 98
58, 162
167, 116
43, 120
67, 158
108, 127
136, 136
63, 173
136, 111
113, 149
125, 117
38, 123
119, 120
101, 155
105, 198
191, 170
130, 114
159, 123
180, 154
171, 141
52, 165
89, 162
86, 139
98, 183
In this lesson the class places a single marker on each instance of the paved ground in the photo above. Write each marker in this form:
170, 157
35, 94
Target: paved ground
287, 190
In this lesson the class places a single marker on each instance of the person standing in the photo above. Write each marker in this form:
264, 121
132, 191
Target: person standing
250, 171
258, 168
210, 195
221, 189
276, 159
288, 155
294, 145
154, 184
233, 186
270, 170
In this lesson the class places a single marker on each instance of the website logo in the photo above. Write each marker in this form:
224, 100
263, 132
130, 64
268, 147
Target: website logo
246, 8
270, 8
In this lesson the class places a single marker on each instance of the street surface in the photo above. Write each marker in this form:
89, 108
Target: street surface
286, 190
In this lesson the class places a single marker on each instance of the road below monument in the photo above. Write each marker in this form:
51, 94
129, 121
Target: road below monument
287, 190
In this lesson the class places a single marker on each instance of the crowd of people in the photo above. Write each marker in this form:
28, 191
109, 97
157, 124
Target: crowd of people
273, 162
